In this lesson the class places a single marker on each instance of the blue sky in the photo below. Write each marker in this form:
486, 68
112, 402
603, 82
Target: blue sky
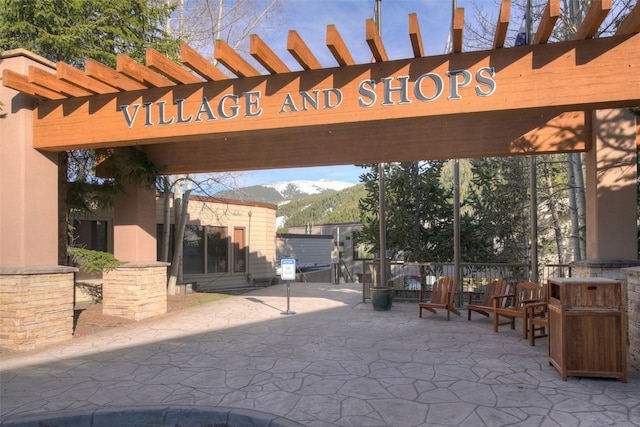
310, 19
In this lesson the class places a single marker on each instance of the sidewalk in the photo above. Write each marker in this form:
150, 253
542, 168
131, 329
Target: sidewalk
336, 362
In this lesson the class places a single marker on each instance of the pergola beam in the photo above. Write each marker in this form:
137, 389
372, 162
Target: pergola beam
547, 22
597, 13
458, 29
631, 23
200, 64
234, 62
111, 77
163, 65
502, 25
301, 52
47, 80
19, 82
338, 47
415, 36
140, 73
265, 56
69, 74
375, 41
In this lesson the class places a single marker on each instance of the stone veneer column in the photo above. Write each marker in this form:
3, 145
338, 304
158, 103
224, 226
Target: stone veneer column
36, 306
633, 315
135, 290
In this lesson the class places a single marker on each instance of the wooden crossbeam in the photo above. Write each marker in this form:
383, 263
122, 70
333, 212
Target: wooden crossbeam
597, 13
265, 56
458, 29
415, 36
502, 25
163, 65
547, 22
301, 52
234, 62
200, 64
375, 41
140, 73
337, 47
49, 81
631, 23
19, 82
69, 74
111, 77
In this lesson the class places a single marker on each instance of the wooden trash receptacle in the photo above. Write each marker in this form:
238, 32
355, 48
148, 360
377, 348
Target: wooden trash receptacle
587, 328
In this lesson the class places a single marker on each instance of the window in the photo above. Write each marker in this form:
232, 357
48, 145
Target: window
90, 235
239, 251
193, 250
217, 250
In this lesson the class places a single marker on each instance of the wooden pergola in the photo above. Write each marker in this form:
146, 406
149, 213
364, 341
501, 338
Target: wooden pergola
192, 117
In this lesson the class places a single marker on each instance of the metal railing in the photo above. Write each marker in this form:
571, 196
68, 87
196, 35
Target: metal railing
408, 278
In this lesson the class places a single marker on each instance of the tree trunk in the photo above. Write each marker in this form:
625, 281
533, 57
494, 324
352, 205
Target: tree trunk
581, 203
553, 209
166, 226
181, 207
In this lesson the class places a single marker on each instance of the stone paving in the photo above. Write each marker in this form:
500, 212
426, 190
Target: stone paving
336, 362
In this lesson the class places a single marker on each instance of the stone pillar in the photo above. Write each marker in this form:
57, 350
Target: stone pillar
36, 295
633, 315
135, 291
36, 306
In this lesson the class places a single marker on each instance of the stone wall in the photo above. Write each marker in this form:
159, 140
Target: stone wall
633, 315
135, 291
36, 306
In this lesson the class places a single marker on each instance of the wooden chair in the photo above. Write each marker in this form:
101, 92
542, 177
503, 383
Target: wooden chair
495, 288
443, 295
515, 307
537, 321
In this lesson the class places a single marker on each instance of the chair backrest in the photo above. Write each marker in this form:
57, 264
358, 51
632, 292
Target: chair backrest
495, 287
441, 290
528, 292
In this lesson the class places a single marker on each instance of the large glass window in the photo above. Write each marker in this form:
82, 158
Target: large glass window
239, 251
217, 250
193, 250
90, 234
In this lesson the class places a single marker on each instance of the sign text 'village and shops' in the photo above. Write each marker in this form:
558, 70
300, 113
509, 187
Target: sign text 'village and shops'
389, 91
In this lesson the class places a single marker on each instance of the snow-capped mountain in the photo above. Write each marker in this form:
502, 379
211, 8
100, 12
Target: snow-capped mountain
282, 192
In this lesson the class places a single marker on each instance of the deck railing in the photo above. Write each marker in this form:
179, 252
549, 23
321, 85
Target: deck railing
408, 278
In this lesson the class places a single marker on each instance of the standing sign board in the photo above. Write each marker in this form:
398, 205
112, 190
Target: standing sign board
288, 274
288, 269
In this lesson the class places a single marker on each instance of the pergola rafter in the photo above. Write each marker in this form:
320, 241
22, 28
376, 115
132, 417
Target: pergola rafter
160, 71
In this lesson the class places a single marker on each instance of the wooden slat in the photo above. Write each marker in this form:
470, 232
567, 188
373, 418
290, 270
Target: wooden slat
111, 77
458, 29
337, 47
502, 25
18, 82
301, 52
597, 13
415, 36
265, 56
200, 64
631, 23
375, 41
140, 73
69, 74
49, 81
163, 65
234, 62
547, 22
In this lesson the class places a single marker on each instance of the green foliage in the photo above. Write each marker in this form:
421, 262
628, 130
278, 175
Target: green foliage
92, 261
74, 30
334, 207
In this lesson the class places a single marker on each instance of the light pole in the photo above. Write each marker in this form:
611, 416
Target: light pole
381, 187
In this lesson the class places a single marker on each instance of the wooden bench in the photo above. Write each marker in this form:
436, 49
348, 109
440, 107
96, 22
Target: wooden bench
515, 307
442, 297
496, 287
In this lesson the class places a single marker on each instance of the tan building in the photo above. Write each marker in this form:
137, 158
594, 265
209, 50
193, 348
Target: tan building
227, 243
